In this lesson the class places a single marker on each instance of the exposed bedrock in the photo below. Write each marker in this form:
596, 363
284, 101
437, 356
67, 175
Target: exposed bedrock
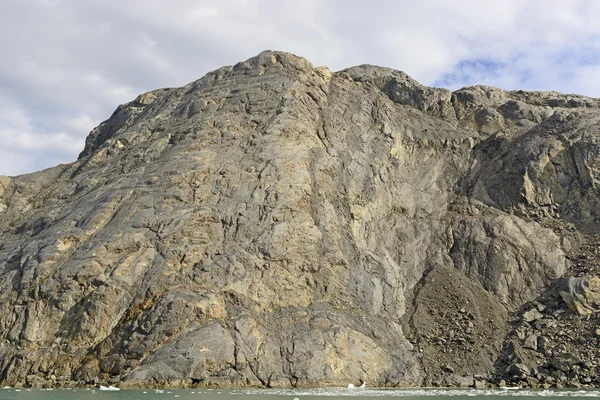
276, 224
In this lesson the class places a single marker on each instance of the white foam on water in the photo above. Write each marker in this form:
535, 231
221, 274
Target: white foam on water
110, 388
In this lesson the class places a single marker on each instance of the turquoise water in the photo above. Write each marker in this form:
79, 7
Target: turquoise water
285, 394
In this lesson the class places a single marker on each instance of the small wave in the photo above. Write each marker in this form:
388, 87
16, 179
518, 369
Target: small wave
108, 388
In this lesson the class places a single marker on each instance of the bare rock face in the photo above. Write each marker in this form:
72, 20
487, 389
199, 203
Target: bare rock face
4, 182
275, 224
582, 294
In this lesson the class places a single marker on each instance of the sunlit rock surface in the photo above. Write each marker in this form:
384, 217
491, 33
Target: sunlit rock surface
276, 224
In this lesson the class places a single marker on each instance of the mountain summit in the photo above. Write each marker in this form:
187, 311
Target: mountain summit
275, 224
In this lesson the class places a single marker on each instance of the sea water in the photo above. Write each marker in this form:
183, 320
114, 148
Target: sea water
287, 394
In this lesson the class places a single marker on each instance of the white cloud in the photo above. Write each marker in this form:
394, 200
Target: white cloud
27, 145
67, 64
82, 123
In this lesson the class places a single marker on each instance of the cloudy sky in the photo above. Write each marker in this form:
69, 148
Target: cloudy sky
66, 64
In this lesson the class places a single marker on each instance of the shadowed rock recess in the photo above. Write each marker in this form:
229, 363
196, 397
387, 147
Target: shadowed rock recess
275, 224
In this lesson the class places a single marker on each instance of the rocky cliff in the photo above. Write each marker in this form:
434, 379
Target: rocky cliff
276, 224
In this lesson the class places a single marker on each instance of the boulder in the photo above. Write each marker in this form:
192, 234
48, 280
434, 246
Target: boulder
518, 370
532, 315
581, 294
565, 362
531, 342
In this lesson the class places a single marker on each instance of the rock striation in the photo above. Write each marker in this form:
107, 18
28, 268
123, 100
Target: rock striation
275, 224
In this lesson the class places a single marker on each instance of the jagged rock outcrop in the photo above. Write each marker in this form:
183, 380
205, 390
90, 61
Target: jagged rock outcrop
582, 294
276, 224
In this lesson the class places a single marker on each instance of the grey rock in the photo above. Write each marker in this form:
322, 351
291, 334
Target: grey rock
275, 224
543, 344
585, 365
581, 294
565, 362
532, 382
519, 370
193, 355
541, 307
4, 184
573, 375
531, 342
559, 375
532, 315
447, 368
35, 381
454, 380
481, 384
464, 381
